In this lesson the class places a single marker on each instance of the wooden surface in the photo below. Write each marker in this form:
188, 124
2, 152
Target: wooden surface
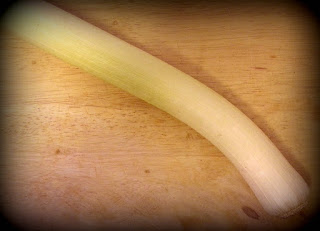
80, 153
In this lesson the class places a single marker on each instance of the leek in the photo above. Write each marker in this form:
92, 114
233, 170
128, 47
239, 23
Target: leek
276, 184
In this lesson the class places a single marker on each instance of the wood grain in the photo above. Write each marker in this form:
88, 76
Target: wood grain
82, 154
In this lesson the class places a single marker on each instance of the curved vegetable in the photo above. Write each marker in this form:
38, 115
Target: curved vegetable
276, 184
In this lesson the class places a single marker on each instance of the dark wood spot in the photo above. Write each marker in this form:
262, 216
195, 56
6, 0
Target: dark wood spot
147, 171
189, 136
250, 212
58, 151
34, 62
115, 22
273, 56
260, 68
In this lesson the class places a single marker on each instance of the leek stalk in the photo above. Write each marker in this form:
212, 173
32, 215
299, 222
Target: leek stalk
276, 184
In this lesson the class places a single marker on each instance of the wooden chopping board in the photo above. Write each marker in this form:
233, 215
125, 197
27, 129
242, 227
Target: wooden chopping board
82, 154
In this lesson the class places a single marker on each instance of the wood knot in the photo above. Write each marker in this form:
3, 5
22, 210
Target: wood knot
250, 212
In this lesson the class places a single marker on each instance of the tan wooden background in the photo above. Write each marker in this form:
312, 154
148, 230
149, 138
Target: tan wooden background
81, 153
